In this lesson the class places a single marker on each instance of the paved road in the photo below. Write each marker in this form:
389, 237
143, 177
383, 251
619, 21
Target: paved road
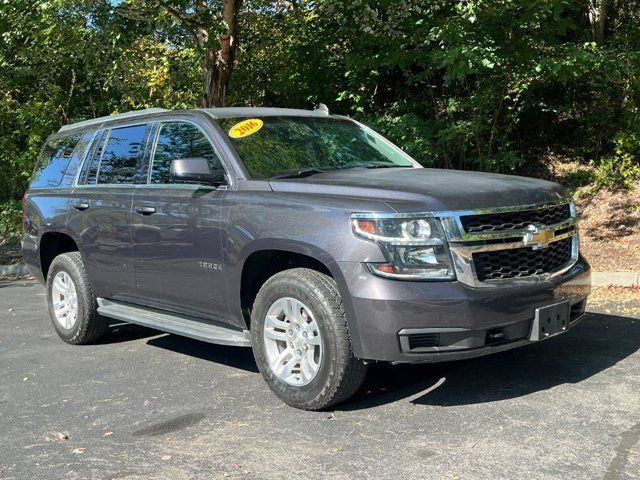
147, 405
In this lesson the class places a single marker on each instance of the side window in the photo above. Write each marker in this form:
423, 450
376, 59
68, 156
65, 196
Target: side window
90, 167
53, 161
180, 140
121, 154
76, 159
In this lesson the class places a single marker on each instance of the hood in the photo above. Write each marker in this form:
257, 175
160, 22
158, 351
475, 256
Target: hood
406, 189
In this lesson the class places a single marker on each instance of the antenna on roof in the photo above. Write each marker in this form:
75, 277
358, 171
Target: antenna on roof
323, 108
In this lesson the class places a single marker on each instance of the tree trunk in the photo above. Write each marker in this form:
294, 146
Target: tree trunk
597, 19
217, 63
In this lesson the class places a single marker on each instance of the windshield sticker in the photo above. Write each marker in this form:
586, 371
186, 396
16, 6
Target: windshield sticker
245, 128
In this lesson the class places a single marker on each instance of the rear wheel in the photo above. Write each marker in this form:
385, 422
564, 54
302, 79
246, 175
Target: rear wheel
72, 304
301, 340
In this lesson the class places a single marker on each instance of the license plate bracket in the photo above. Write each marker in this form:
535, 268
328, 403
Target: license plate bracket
550, 321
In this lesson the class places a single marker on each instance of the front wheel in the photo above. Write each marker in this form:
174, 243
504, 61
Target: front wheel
301, 340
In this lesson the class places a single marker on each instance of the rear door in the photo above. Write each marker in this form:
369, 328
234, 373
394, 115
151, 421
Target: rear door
176, 229
100, 211
47, 200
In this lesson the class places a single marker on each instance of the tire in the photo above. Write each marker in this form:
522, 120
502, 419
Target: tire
88, 325
338, 373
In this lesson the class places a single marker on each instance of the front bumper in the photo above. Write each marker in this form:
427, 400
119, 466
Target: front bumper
398, 321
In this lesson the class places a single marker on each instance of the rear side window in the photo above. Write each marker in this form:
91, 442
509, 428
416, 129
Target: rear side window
121, 155
53, 161
76, 159
90, 168
180, 140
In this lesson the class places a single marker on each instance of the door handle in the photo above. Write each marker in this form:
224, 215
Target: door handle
146, 210
81, 206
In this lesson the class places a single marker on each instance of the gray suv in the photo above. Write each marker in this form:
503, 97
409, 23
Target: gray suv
303, 235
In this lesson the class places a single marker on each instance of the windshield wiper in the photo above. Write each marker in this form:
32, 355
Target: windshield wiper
386, 165
300, 173
371, 165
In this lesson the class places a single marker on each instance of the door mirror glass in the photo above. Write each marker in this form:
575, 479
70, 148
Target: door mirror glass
195, 170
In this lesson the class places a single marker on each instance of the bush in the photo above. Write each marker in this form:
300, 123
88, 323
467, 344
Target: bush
616, 172
11, 219
622, 168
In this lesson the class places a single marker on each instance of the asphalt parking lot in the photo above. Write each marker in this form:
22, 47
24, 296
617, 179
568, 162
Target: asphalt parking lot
143, 404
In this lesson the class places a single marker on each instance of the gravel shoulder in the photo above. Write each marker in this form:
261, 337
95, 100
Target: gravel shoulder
609, 224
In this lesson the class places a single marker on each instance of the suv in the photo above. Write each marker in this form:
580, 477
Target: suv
304, 235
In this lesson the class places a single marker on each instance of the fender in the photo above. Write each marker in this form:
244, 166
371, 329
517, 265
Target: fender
293, 246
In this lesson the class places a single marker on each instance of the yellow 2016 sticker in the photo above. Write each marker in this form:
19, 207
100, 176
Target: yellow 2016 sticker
245, 128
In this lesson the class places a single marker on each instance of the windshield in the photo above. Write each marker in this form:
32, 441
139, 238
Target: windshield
279, 146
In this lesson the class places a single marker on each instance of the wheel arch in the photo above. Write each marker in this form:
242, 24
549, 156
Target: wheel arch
51, 244
266, 258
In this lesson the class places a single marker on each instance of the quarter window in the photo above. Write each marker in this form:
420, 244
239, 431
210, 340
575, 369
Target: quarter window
180, 140
121, 154
53, 162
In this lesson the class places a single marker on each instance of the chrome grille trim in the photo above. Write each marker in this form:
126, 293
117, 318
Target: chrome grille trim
463, 245
515, 219
456, 233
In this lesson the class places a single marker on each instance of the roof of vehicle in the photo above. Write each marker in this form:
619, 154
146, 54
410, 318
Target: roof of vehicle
321, 111
119, 116
266, 112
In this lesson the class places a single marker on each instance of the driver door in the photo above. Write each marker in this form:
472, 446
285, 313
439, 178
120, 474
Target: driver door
177, 244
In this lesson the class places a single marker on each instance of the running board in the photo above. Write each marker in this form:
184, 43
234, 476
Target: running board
173, 323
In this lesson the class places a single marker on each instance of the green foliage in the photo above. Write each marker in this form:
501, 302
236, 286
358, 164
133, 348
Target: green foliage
621, 168
495, 80
475, 84
10, 219
68, 60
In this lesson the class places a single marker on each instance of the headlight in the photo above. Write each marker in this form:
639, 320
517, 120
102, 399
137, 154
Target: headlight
416, 248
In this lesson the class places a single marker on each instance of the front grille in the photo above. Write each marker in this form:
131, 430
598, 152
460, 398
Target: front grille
522, 262
422, 340
496, 222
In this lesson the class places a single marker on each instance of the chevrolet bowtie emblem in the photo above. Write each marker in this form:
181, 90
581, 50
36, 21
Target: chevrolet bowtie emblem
537, 236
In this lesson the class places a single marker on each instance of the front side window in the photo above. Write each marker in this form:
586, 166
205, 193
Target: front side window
121, 154
277, 146
178, 140
53, 162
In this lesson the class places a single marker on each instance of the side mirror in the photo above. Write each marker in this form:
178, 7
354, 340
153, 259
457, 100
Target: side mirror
195, 170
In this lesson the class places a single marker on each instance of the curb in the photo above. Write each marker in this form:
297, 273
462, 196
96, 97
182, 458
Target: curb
615, 279
18, 269
598, 279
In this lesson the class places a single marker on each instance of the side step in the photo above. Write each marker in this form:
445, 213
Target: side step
173, 323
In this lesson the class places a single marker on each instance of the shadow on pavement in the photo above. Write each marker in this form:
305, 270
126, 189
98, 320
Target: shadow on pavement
598, 343
120, 332
236, 357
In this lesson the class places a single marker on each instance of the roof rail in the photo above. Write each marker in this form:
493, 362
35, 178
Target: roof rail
101, 120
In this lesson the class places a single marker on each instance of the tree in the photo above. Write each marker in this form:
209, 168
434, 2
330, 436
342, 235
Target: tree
500, 85
211, 24
597, 18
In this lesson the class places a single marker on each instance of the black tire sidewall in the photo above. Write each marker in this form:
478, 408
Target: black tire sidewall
68, 264
299, 396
